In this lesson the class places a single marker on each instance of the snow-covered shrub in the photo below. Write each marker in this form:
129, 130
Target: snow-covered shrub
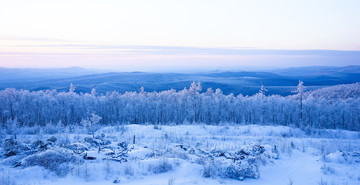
182, 155
178, 152
12, 147
116, 181
92, 141
157, 127
240, 170
129, 170
171, 181
39, 145
11, 126
209, 170
322, 182
343, 157
107, 168
239, 164
56, 160
78, 148
123, 145
161, 166
52, 139
230, 170
64, 140
327, 169
9, 143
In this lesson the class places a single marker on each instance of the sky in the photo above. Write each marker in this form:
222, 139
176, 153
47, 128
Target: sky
134, 34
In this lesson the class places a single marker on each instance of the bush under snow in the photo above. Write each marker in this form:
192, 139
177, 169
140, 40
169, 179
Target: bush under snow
56, 160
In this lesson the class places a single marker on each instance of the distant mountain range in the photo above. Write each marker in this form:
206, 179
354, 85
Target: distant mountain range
277, 81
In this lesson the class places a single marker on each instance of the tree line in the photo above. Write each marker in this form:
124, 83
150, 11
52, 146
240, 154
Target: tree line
188, 106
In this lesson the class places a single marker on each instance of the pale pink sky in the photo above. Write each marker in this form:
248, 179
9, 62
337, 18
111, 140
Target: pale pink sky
162, 33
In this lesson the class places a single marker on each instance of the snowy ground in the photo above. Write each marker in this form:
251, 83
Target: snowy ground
186, 154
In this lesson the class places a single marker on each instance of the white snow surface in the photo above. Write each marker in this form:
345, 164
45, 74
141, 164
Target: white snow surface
316, 157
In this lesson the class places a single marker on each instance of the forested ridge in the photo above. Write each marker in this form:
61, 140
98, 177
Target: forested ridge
188, 106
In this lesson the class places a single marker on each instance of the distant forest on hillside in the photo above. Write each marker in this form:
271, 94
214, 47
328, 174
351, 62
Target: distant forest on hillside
236, 81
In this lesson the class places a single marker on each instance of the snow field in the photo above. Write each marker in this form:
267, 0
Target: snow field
177, 155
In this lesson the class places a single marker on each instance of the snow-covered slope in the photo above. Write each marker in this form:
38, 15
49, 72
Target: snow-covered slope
336, 92
181, 155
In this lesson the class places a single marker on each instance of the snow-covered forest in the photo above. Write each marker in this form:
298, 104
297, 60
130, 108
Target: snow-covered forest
192, 136
188, 106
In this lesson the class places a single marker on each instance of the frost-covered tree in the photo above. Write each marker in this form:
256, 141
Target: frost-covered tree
262, 90
93, 92
300, 92
91, 123
72, 88
262, 102
194, 99
190, 105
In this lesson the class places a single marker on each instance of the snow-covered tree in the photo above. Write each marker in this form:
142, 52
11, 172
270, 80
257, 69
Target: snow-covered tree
262, 91
91, 123
300, 92
93, 92
72, 88
311, 109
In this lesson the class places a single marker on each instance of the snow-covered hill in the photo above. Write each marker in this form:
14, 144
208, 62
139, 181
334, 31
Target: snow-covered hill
344, 91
